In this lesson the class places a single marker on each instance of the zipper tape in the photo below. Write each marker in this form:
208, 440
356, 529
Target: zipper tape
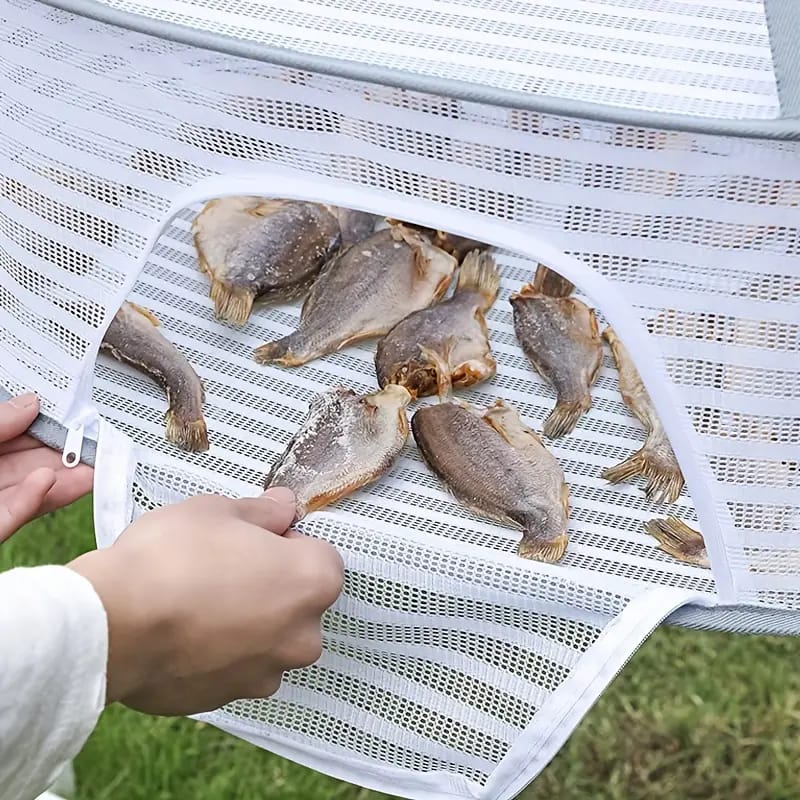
71, 441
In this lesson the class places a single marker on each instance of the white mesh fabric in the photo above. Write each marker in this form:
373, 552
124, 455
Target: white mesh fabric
698, 235
707, 58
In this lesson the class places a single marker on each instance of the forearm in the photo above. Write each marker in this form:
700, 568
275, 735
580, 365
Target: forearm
53, 654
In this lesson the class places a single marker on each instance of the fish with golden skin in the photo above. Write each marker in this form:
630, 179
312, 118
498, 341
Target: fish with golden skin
363, 293
498, 467
656, 460
561, 339
254, 248
447, 344
133, 338
680, 541
346, 442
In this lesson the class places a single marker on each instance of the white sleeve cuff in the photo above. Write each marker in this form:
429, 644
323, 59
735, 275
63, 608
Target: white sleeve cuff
53, 655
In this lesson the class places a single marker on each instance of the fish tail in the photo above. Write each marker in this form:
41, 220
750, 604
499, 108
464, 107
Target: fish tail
479, 274
277, 352
191, 435
549, 282
535, 547
231, 303
564, 417
663, 476
680, 541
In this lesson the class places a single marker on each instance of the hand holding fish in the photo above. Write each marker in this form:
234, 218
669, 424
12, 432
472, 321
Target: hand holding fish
33, 481
211, 600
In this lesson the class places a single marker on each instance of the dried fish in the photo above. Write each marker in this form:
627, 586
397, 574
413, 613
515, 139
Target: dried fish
133, 338
496, 466
655, 461
363, 293
346, 442
680, 541
253, 249
560, 337
447, 344
553, 284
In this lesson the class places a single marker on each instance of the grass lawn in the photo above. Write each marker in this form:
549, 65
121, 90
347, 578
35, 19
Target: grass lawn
694, 715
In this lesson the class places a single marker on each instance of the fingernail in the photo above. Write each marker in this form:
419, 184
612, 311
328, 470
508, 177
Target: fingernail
280, 494
23, 401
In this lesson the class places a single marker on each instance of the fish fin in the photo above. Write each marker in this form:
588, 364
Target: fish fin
680, 541
549, 282
550, 551
474, 371
277, 352
148, 315
664, 480
479, 273
441, 365
231, 303
190, 435
528, 290
564, 417
266, 208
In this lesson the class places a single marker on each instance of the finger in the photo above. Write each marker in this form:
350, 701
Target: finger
15, 467
21, 503
71, 485
20, 443
17, 415
275, 510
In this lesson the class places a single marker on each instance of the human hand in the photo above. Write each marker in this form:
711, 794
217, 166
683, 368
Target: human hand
33, 481
207, 602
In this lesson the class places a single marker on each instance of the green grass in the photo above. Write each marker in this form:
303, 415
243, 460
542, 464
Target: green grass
693, 715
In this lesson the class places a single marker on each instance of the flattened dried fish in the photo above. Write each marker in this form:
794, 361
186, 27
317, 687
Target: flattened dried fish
496, 466
134, 339
457, 246
346, 441
447, 344
560, 337
680, 541
655, 461
363, 293
253, 248
553, 284
354, 225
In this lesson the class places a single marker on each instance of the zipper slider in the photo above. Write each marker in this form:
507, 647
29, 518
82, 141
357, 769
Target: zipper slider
73, 446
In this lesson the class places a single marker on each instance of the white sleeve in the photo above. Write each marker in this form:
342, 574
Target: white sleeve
53, 653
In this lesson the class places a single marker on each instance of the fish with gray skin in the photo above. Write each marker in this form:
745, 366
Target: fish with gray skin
655, 461
446, 345
680, 541
346, 442
363, 293
497, 466
254, 248
561, 339
133, 338
354, 225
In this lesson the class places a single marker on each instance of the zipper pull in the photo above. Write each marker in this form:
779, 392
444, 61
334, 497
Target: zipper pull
73, 446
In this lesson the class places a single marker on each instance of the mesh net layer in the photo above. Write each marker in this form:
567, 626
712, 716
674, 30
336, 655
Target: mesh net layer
103, 129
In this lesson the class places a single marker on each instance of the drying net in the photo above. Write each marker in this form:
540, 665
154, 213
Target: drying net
452, 668
707, 58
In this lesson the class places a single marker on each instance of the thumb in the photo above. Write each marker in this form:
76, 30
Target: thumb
21, 503
275, 510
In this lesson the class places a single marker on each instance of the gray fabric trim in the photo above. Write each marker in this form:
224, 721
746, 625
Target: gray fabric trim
781, 129
54, 435
783, 21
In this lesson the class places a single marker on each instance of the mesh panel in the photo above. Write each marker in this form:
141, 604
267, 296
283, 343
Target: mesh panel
436, 661
698, 235
709, 58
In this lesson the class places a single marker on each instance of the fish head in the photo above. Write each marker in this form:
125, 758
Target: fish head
417, 377
392, 399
